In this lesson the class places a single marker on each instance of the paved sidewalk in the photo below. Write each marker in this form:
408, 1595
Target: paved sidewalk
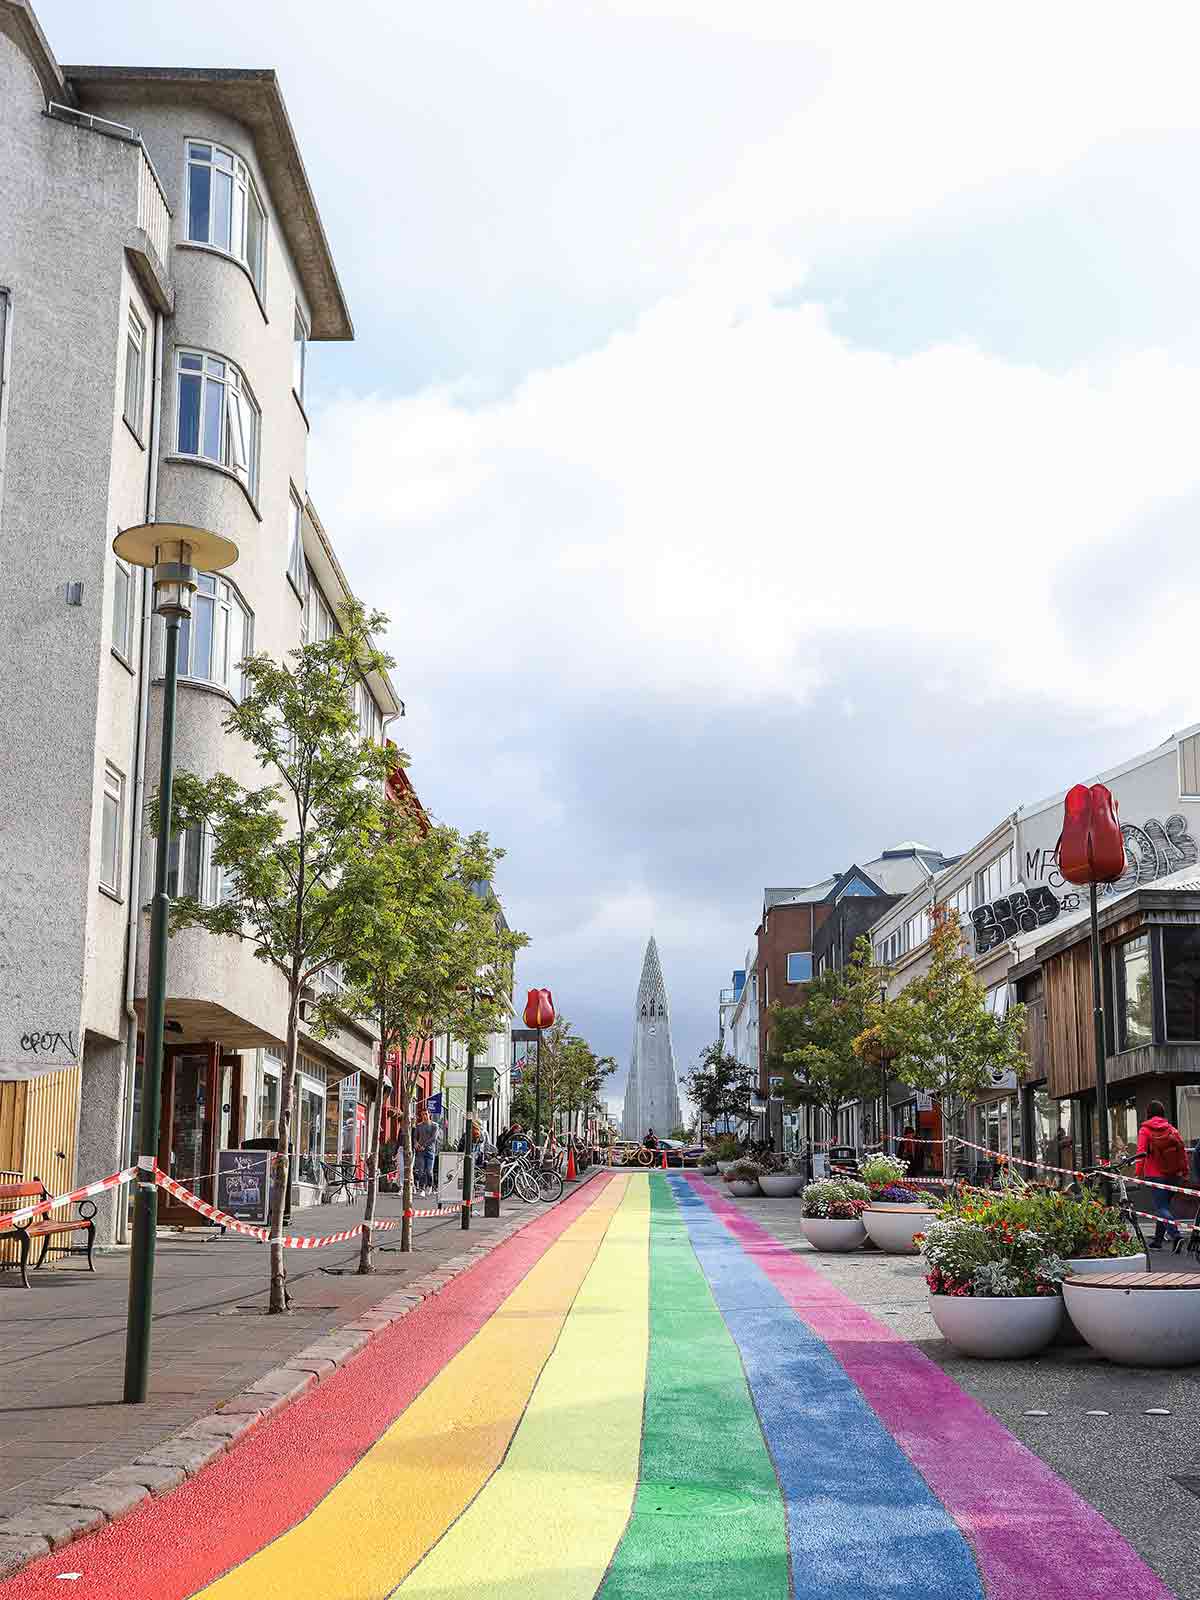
62, 1423
1140, 1471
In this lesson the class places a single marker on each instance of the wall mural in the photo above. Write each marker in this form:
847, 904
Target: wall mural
1152, 850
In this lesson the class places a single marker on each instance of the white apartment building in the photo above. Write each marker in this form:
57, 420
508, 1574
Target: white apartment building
163, 274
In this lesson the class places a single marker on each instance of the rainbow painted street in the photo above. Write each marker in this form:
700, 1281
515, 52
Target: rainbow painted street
644, 1395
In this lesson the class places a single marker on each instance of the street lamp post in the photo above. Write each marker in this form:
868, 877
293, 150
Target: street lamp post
176, 554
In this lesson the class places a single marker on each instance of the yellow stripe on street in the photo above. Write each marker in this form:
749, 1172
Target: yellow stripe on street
383, 1516
547, 1523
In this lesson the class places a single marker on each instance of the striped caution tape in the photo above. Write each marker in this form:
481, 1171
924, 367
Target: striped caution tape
16, 1218
1074, 1172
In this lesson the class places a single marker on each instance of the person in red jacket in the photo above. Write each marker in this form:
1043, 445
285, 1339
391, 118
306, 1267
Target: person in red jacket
1162, 1154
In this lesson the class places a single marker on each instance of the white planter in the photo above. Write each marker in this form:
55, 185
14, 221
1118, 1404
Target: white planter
893, 1228
997, 1329
1140, 1327
724, 1166
833, 1233
708, 1172
891, 1205
780, 1185
743, 1189
1084, 1266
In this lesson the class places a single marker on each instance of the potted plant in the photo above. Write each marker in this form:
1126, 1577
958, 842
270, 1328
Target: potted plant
707, 1164
742, 1177
783, 1178
831, 1214
994, 1286
882, 1173
726, 1153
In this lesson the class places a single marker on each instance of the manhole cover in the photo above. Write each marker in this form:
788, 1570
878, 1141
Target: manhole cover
695, 1500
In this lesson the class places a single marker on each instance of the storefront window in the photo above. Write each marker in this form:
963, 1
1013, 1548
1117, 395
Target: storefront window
1135, 1018
1187, 1097
1052, 1137
268, 1104
311, 1131
1181, 981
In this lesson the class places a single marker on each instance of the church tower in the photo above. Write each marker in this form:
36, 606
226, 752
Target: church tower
651, 1092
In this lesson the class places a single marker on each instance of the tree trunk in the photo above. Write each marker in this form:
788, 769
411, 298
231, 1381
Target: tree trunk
365, 1264
280, 1299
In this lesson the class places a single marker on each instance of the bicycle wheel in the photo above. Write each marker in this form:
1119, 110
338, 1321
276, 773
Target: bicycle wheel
526, 1184
644, 1158
550, 1186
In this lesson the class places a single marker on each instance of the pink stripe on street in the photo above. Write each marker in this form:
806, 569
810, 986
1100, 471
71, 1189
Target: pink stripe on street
1031, 1533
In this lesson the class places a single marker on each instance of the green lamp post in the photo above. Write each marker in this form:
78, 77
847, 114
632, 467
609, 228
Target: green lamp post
176, 554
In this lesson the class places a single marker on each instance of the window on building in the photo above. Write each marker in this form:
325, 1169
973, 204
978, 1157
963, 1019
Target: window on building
995, 879
1189, 768
370, 718
112, 824
191, 870
318, 622
856, 886
219, 419
996, 1000
215, 639
124, 590
135, 372
1135, 1013
963, 899
268, 1096
224, 209
296, 569
299, 354
916, 930
1181, 982
799, 966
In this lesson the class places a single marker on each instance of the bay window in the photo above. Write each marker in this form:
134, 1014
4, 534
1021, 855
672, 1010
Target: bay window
224, 209
218, 417
191, 870
215, 639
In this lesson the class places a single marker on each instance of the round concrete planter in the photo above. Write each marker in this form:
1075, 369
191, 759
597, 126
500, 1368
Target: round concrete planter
997, 1329
708, 1171
781, 1185
833, 1233
893, 1227
891, 1205
724, 1166
742, 1189
1084, 1266
1137, 1326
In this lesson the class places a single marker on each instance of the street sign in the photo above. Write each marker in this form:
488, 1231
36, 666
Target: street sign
517, 1076
434, 1104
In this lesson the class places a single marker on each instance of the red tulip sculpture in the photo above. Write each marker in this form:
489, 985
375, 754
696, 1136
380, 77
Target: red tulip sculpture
539, 1009
1091, 848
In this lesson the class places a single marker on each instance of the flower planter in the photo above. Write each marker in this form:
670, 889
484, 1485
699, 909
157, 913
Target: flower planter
1138, 1318
708, 1171
1089, 1266
781, 1185
995, 1328
892, 1205
893, 1228
724, 1166
743, 1188
833, 1233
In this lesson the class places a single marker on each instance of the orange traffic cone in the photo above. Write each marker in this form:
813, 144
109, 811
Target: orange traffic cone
572, 1175
664, 1161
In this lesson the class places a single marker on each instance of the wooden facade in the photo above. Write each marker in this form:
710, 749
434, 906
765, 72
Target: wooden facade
39, 1120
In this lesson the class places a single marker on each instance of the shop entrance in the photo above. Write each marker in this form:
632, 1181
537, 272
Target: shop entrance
201, 1113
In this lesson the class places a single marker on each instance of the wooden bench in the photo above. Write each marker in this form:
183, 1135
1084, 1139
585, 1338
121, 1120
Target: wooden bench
1143, 1319
48, 1229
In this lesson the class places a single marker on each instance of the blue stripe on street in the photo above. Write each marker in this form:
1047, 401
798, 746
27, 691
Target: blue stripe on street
861, 1520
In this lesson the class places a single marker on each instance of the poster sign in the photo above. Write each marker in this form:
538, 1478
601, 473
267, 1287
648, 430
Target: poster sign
244, 1184
434, 1105
449, 1176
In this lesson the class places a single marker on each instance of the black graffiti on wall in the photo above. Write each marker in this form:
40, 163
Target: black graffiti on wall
1020, 912
1152, 849
48, 1043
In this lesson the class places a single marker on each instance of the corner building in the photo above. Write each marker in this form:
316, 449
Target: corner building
163, 272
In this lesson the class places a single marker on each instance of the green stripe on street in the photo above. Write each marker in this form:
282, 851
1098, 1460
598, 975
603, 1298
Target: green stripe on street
708, 1516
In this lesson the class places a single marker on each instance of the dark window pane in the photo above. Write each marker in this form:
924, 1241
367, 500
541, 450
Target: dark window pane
200, 152
190, 883
191, 363
199, 183
1181, 974
189, 415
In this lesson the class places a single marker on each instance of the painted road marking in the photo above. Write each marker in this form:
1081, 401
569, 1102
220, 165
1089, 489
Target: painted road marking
1031, 1533
382, 1518
546, 1524
861, 1520
708, 1516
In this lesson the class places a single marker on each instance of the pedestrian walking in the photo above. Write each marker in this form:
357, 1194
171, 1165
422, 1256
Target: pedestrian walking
909, 1149
425, 1142
1161, 1154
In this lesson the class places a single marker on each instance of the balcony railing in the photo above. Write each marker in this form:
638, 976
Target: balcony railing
153, 213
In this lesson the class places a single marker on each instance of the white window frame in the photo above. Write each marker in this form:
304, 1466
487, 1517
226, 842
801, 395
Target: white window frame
237, 420
1189, 759
244, 199
134, 407
190, 856
317, 622
986, 889
297, 567
788, 965
121, 634
299, 354
112, 804
228, 612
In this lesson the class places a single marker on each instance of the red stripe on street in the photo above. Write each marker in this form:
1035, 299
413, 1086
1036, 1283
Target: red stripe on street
168, 1549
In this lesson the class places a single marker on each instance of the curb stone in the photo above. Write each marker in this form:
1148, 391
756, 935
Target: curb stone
43, 1528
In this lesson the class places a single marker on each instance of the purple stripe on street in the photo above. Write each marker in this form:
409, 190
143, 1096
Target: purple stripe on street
1031, 1533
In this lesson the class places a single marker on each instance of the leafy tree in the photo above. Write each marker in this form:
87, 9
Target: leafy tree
940, 1035
436, 957
295, 881
812, 1045
719, 1085
572, 1074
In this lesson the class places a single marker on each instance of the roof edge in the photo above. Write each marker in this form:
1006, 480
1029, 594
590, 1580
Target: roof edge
17, 19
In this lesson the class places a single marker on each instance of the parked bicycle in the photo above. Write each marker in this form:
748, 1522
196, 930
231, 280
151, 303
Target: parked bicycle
1118, 1190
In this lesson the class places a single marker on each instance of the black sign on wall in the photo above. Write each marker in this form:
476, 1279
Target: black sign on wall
244, 1184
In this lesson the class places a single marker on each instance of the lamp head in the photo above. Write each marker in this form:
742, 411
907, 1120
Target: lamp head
176, 553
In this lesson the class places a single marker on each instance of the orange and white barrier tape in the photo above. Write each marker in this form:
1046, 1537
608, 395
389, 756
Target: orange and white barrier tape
13, 1219
1074, 1172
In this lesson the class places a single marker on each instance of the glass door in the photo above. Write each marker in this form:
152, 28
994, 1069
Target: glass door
187, 1119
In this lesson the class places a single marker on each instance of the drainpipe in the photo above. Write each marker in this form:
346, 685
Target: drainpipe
133, 929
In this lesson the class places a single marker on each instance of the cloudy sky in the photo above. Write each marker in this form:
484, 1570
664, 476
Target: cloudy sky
772, 428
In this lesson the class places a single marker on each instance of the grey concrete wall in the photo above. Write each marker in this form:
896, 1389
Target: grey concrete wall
98, 1143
